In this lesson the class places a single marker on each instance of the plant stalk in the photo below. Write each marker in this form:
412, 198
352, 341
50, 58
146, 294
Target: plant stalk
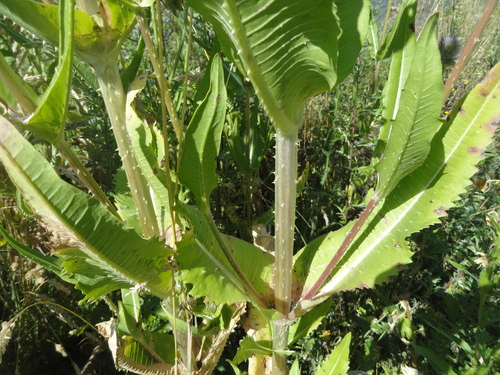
343, 247
285, 197
466, 54
158, 69
111, 86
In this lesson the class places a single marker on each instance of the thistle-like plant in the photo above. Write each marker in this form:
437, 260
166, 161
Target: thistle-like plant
289, 51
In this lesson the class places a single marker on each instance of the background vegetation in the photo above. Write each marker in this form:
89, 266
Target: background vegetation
430, 314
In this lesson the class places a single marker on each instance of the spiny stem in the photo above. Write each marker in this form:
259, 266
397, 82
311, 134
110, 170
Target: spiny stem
111, 86
280, 343
285, 199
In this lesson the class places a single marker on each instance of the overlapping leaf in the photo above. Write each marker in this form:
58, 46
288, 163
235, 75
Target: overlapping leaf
142, 142
202, 140
418, 116
400, 44
287, 48
403, 51
417, 202
50, 117
13, 90
204, 265
401, 31
98, 250
354, 17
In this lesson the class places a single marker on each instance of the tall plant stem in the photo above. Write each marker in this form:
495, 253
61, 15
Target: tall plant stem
466, 54
285, 186
114, 99
186, 63
285, 197
160, 76
156, 57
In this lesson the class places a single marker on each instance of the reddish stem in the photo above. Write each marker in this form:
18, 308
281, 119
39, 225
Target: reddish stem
467, 51
343, 247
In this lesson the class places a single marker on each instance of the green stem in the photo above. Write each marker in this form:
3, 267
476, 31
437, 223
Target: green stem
186, 63
158, 63
285, 194
83, 173
156, 57
158, 68
285, 197
111, 86
280, 343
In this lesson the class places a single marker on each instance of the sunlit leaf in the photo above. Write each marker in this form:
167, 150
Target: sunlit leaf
50, 117
287, 48
94, 41
141, 139
418, 116
419, 200
401, 30
337, 362
204, 265
202, 140
95, 246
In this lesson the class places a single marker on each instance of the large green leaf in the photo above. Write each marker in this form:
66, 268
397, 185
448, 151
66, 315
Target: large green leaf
50, 117
204, 265
288, 49
354, 19
419, 200
401, 44
417, 119
202, 140
403, 51
96, 248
